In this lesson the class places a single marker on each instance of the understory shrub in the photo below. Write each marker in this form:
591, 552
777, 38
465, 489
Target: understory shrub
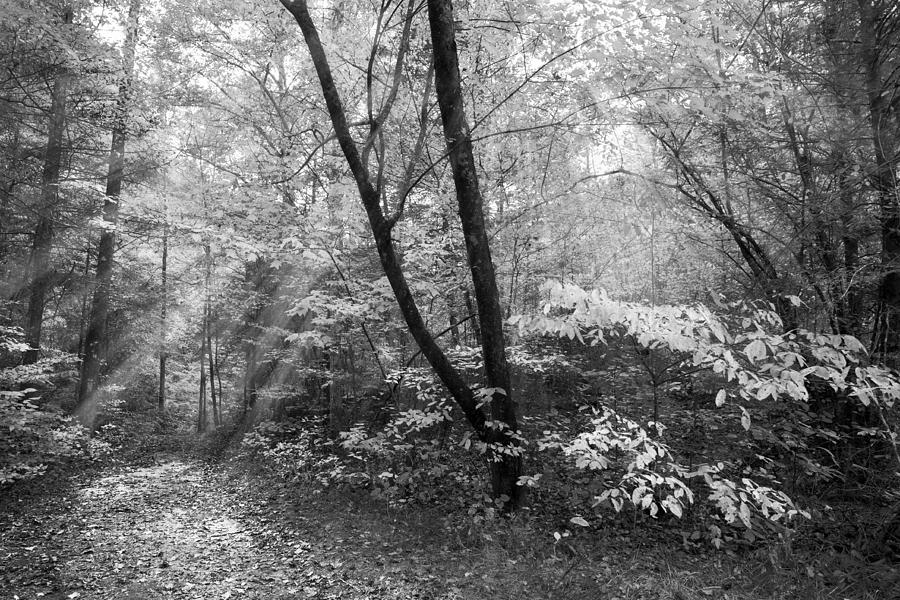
34, 431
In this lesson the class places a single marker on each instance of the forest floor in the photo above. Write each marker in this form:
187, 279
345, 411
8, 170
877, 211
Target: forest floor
182, 526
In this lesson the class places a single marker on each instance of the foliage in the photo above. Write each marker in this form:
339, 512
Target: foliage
759, 362
294, 447
34, 437
34, 434
411, 458
761, 365
650, 479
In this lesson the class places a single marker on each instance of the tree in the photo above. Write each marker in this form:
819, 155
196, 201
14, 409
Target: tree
879, 37
96, 331
507, 466
40, 273
498, 433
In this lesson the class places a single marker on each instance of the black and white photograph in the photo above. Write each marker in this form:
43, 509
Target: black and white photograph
450, 299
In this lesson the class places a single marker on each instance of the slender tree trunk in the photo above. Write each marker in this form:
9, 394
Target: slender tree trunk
97, 330
853, 311
212, 367
470, 308
454, 323
218, 367
83, 319
204, 346
250, 391
39, 271
163, 322
202, 418
850, 318
505, 457
707, 200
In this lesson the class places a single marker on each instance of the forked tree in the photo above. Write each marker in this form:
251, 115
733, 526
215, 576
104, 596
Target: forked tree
499, 428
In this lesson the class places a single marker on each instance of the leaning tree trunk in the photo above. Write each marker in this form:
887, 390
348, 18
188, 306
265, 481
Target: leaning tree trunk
40, 275
506, 460
382, 226
706, 199
96, 333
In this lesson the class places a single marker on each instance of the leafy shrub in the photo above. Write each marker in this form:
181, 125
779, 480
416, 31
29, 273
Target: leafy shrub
758, 365
34, 438
407, 460
295, 448
33, 434
651, 480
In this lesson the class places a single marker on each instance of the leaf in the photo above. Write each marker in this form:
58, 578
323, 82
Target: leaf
755, 350
579, 521
744, 514
745, 419
636, 495
720, 398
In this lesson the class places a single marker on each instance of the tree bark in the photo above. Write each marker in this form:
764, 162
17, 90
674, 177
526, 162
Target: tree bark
218, 365
454, 322
506, 456
96, 333
83, 317
202, 418
213, 395
39, 271
163, 322
470, 308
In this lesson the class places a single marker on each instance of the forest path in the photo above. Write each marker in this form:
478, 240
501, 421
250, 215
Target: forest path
185, 529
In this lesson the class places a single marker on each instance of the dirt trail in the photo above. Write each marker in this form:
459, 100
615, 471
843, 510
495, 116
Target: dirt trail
158, 531
181, 529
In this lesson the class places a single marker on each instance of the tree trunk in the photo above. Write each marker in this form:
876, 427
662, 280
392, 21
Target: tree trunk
707, 200
381, 230
83, 317
212, 368
96, 333
852, 314
454, 322
202, 418
506, 457
476, 327
39, 270
872, 20
218, 366
850, 317
163, 323
204, 346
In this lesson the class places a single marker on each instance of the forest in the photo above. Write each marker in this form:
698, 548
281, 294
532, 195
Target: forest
448, 299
